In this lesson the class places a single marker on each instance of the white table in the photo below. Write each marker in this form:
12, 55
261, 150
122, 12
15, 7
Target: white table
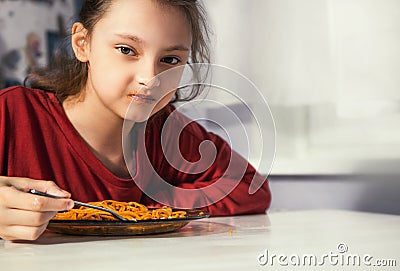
223, 243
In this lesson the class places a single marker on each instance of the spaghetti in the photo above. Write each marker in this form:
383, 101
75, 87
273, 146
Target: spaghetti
129, 210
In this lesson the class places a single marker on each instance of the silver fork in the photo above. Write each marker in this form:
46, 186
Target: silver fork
39, 193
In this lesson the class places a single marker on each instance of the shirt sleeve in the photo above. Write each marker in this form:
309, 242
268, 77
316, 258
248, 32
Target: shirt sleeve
206, 171
4, 134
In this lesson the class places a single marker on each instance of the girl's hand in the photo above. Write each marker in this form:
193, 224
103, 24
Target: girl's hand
25, 216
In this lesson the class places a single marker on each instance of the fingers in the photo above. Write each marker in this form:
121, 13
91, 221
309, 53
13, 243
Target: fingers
18, 232
24, 216
24, 225
24, 184
12, 198
12, 217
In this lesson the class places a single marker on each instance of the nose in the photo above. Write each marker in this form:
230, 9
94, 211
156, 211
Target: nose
147, 75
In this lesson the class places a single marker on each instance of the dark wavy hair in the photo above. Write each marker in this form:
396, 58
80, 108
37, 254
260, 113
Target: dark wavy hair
66, 76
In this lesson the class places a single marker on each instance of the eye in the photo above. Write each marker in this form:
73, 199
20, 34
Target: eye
171, 60
126, 50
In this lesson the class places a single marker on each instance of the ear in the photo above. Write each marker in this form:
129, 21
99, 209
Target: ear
79, 42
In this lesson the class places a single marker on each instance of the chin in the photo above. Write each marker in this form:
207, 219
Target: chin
136, 118
138, 115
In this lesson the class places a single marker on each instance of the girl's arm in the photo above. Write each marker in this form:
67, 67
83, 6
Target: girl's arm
222, 186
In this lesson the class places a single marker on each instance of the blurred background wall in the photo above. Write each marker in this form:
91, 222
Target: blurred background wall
329, 70
30, 31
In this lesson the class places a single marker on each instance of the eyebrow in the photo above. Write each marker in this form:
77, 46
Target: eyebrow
131, 37
136, 39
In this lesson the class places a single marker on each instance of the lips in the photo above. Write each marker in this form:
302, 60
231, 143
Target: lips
141, 98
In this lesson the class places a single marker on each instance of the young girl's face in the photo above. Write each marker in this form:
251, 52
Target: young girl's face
132, 43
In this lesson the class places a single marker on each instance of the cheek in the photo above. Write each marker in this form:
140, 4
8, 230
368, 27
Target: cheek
109, 81
108, 69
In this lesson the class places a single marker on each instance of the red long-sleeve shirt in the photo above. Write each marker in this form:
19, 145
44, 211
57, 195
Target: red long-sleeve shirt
38, 141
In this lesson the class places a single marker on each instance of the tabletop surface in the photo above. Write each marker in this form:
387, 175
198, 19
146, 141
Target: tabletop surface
298, 240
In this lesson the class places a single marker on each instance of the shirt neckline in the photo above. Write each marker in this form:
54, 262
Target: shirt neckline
77, 143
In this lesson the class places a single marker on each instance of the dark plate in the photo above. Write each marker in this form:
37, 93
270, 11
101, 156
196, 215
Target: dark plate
140, 227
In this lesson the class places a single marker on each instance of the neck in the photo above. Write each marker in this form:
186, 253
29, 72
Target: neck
102, 133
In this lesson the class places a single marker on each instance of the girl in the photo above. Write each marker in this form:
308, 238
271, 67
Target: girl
67, 127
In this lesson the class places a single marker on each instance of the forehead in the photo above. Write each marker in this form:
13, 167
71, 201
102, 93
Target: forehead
147, 19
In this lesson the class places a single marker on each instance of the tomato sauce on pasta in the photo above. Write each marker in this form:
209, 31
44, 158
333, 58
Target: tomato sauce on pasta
129, 210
